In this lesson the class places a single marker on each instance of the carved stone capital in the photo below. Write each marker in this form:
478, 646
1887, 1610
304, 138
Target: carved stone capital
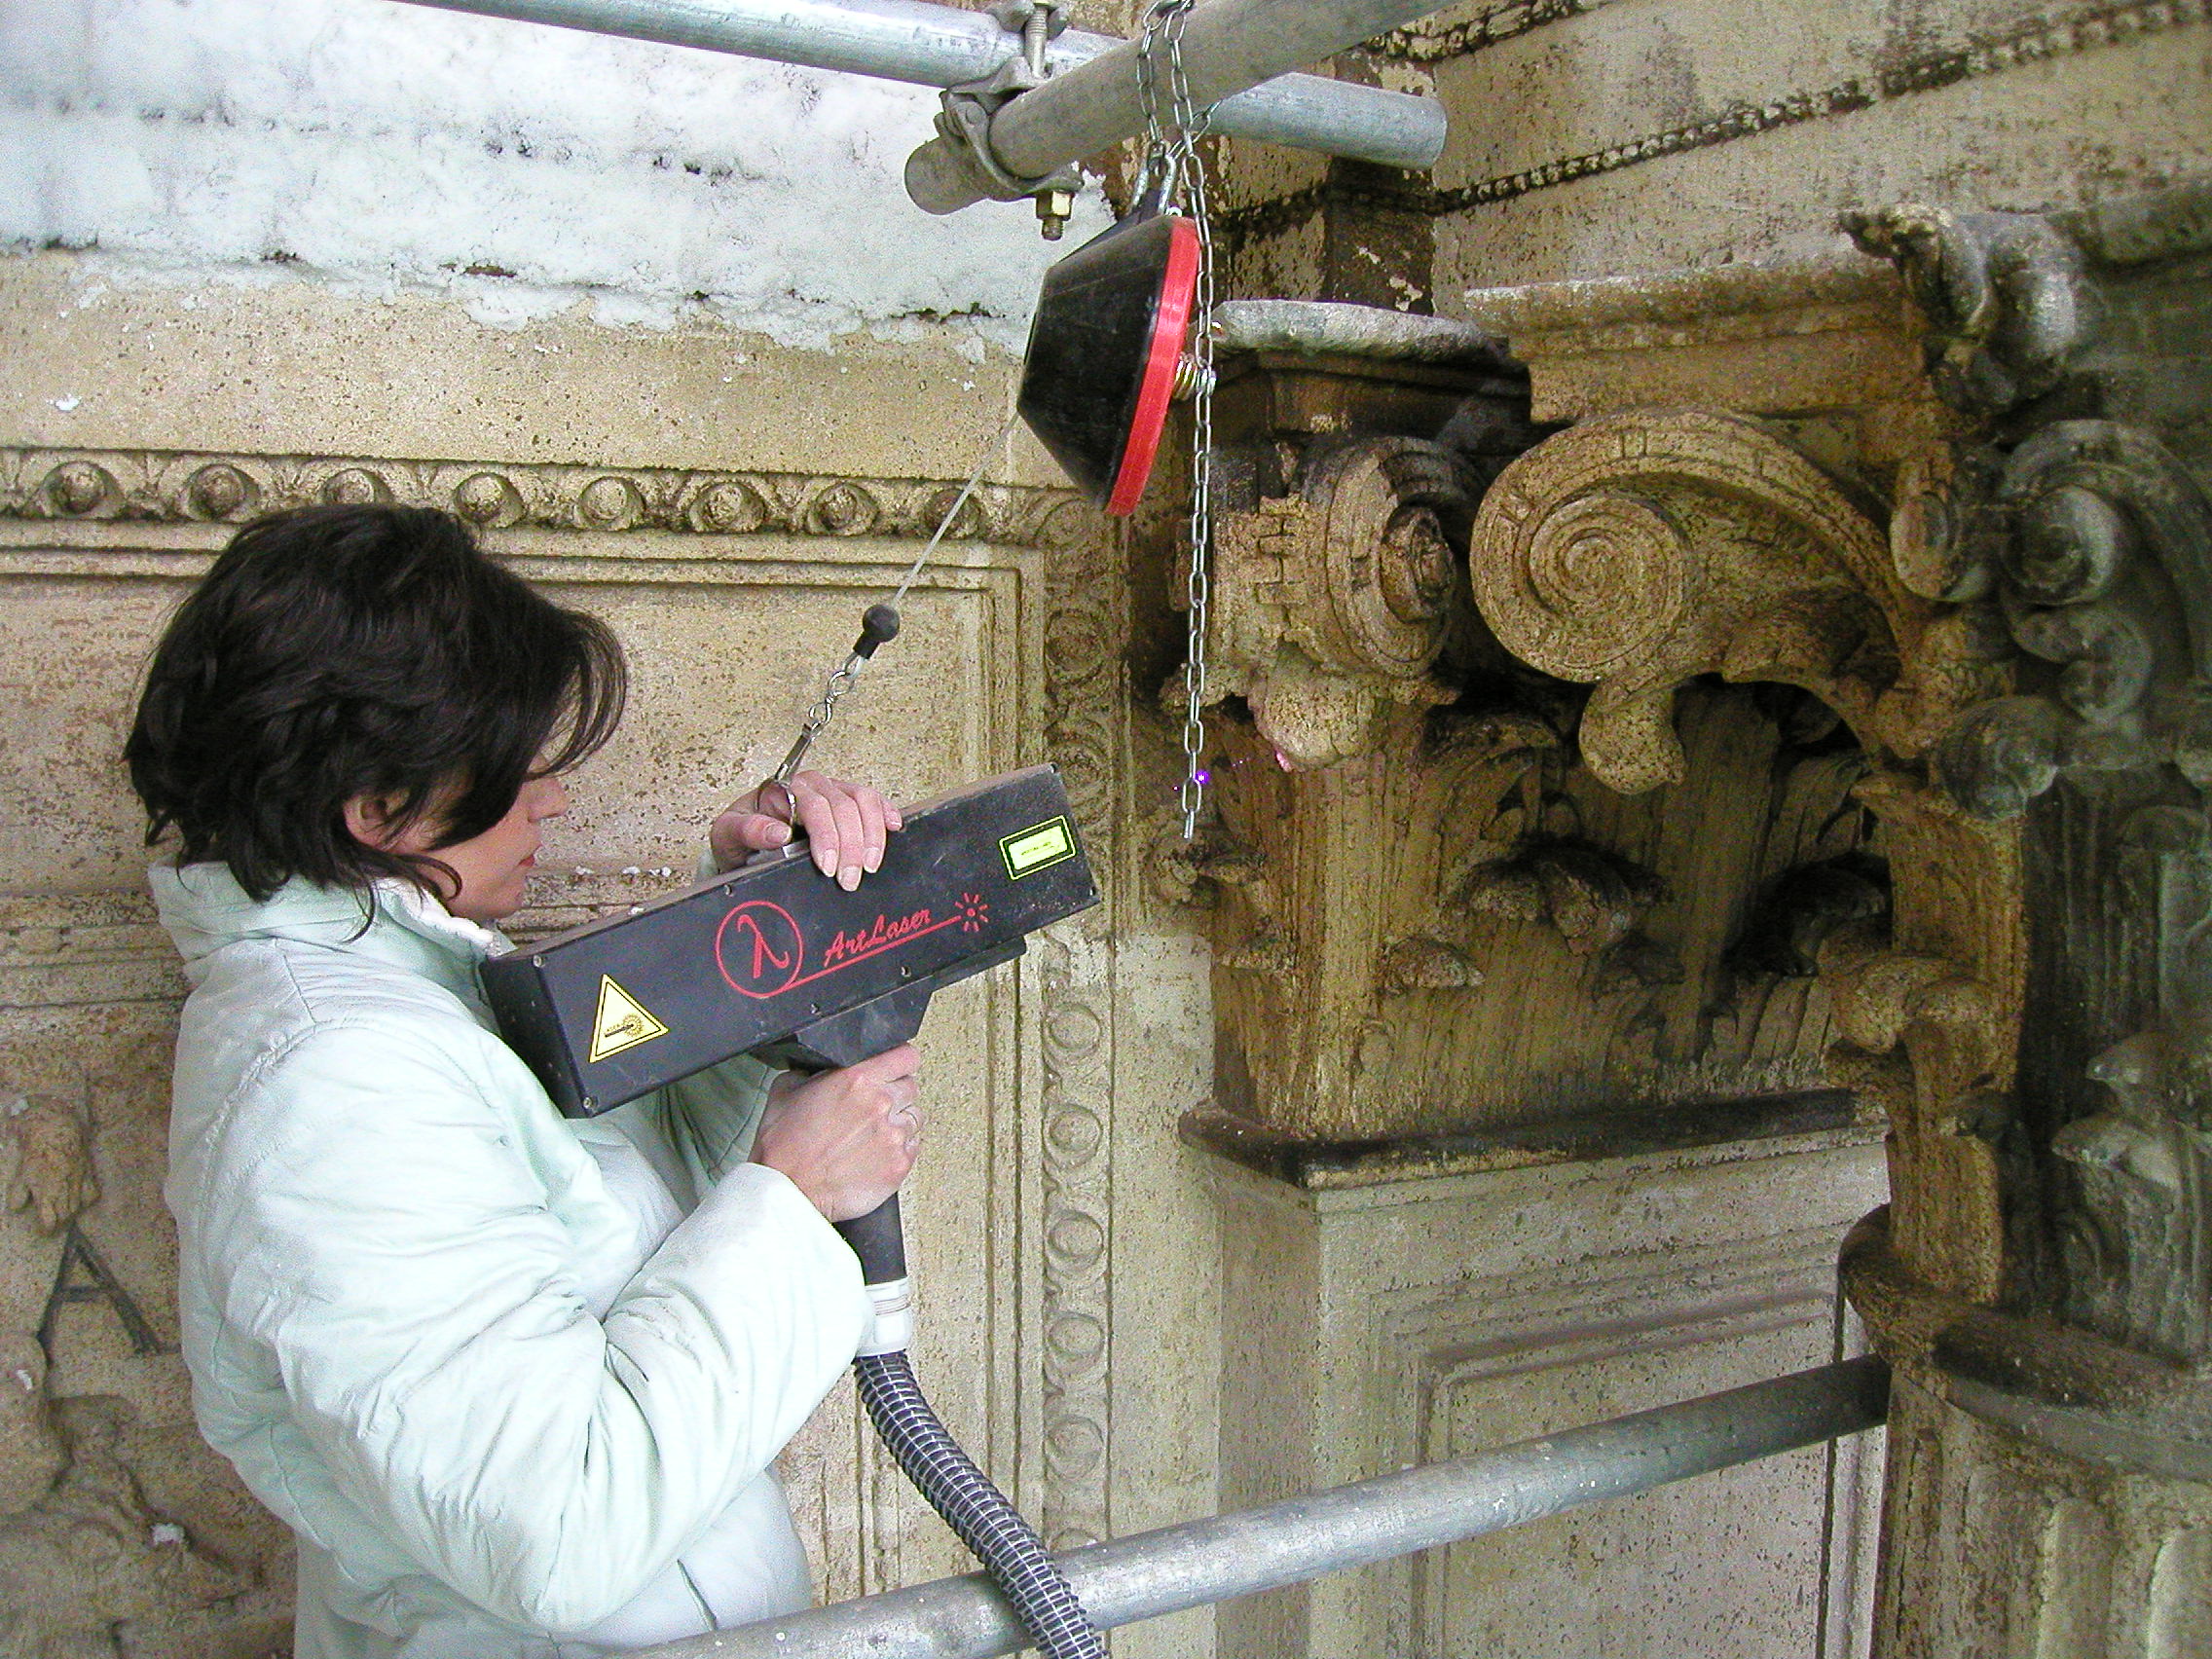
1635, 551
1329, 604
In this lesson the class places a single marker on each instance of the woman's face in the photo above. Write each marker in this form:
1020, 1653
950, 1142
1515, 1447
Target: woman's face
493, 866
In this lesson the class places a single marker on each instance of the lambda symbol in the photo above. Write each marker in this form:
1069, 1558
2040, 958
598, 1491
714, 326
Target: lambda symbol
621, 1021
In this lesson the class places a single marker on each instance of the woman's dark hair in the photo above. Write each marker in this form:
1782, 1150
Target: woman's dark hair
337, 652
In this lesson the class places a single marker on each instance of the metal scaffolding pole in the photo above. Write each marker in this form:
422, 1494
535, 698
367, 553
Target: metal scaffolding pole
1151, 1573
1226, 47
942, 46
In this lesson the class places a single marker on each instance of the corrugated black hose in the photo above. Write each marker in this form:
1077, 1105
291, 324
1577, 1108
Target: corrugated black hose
1008, 1546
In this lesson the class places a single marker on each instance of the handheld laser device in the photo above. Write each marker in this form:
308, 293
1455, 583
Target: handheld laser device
775, 959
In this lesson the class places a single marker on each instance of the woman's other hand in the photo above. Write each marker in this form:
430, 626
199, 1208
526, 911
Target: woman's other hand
846, 824
845, 1138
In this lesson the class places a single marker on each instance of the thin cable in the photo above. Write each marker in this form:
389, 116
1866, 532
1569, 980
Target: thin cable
847, 673
952, 512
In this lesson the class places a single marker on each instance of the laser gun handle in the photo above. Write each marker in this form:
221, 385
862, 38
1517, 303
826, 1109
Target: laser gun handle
877, 1237
880, 1242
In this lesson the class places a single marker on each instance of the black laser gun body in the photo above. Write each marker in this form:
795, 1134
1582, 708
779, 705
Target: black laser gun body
773, 959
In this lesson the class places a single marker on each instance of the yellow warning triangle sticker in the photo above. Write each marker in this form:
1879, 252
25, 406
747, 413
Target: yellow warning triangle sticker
621, 1021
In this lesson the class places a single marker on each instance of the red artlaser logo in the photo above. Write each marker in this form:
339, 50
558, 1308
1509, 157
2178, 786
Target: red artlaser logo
762, 952
759, 949
876, 938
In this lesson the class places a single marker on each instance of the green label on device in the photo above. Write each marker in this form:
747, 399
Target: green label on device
1028, 851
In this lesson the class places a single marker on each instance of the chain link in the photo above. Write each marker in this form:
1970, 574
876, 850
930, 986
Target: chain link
1173, 166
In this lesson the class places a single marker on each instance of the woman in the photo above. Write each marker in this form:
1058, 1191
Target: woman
516, 1382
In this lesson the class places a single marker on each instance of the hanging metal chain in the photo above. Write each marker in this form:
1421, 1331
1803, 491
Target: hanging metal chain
1173, 166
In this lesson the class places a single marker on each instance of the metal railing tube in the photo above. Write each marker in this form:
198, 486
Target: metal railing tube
1164, 1571
1228, 47
944, 46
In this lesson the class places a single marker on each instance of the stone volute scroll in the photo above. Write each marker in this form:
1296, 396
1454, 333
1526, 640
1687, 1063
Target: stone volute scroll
1333, 603
1336, 572
1637, 551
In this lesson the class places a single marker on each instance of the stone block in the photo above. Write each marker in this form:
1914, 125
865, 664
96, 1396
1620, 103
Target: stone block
1372, 1323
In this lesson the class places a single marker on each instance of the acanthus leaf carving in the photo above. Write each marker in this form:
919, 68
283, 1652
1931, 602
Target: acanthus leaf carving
1802, 908
1592, 896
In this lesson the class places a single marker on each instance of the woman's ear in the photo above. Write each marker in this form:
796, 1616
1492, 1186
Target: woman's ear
371, 820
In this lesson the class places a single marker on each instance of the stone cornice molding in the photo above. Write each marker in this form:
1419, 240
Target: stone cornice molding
1636, 304
187, 487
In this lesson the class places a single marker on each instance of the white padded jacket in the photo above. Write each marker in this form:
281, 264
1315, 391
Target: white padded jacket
516, 1382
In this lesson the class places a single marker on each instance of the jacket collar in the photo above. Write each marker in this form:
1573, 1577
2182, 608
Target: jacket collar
205, 909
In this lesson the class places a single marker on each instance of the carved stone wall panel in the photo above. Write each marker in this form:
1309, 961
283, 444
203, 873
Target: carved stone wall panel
91, 984
1758, 1314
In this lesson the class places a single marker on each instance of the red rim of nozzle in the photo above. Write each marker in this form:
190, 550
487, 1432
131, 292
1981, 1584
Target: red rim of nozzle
1170, 327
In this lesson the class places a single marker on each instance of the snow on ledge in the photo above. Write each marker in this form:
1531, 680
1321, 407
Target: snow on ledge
523, 171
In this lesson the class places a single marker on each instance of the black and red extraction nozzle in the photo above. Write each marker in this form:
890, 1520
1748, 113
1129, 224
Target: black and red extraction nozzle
1105, 347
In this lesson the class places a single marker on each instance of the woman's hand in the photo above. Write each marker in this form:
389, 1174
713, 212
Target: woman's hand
846, 824
847, 1138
